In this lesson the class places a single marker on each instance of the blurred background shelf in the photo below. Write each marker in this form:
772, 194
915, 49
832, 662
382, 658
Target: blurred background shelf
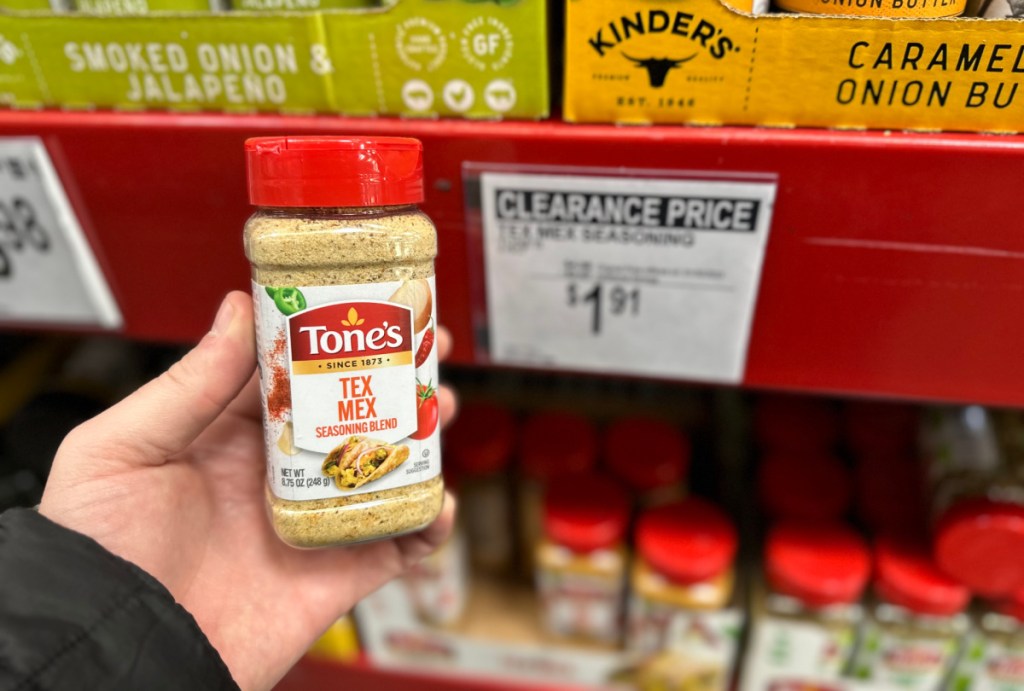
890, 254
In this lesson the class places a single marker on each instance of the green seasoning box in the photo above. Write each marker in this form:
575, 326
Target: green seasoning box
130, 7
301, 5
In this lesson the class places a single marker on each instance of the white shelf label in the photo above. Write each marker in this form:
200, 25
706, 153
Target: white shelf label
48, 273
639, 276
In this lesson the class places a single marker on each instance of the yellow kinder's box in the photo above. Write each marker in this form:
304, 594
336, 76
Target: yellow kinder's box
701, 62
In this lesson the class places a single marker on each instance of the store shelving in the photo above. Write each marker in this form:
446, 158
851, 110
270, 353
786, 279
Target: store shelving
893, 263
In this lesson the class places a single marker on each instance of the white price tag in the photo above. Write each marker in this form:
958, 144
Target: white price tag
48, 273
630, 275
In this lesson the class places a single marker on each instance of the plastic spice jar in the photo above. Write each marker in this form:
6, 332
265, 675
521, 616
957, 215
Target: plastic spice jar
648, 456
552, 444
581, 559
977, 495
479, 446
806, 621
683, 579
916, 623
343, 285
805, 487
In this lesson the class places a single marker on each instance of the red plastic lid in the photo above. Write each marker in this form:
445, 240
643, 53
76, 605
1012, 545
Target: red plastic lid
818, 563
688, 541
554, 444
1013, 606
874, 427
905, 575
981, 544
481, 439
646, 454
804, 487
795, 424
585, 512
334, 171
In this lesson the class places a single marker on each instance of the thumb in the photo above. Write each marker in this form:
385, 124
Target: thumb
163, 417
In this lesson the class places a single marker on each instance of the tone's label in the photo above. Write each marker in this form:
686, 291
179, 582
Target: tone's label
786, 654
48, 273
348, 377
893, 658
630, 275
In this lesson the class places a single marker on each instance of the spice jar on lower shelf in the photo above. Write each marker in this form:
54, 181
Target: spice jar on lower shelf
917, 622
805, 616
343, 286
682, 606
581, 559
658, 477
479, 446
552, 445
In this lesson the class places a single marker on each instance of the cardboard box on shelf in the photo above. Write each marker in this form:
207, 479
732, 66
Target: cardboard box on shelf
413, 58
701, 62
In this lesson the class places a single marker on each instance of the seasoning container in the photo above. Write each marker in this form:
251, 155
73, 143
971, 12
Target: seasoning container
648, 456
977, 500
581, 558
994, 658
804, 486
795, 424
552, 444
682, 594
438, 585
343, 286
806, 614
916, 622
479, 446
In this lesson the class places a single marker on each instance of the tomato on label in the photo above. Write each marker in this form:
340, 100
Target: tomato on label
289, 300
426, 411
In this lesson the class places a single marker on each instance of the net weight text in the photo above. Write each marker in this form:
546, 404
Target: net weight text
604, 300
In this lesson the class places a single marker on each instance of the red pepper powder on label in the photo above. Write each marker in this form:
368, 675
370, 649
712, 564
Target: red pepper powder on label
279, 395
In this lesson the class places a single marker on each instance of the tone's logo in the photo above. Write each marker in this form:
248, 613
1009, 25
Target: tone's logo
658, 68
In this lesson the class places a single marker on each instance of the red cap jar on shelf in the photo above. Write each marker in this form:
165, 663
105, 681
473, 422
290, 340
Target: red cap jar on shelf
916, 622
479, 446
551, 445
804, 486
815, 574
649, 456
684, 565
581, 557
819, 564
795, 424
980, 542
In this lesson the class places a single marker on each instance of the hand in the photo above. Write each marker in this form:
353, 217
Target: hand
172, 479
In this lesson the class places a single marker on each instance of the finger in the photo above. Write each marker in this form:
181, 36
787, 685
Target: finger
165, 415
444, 343
247, 402
447, 404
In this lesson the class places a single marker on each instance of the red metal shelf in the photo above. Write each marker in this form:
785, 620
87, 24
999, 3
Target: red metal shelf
894, 265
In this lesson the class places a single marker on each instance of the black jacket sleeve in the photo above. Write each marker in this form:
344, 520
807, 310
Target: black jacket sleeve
73, 616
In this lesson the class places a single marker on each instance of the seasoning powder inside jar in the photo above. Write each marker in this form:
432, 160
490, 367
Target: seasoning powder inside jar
343, 286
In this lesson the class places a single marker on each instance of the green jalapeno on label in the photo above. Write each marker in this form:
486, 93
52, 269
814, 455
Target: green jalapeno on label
289, 300
271, 291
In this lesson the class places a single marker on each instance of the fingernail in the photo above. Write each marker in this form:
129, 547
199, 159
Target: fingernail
222, 322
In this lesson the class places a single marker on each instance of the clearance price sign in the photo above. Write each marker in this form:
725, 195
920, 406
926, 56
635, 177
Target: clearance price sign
641, 276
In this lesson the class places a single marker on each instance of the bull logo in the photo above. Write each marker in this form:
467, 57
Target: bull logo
658, 68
